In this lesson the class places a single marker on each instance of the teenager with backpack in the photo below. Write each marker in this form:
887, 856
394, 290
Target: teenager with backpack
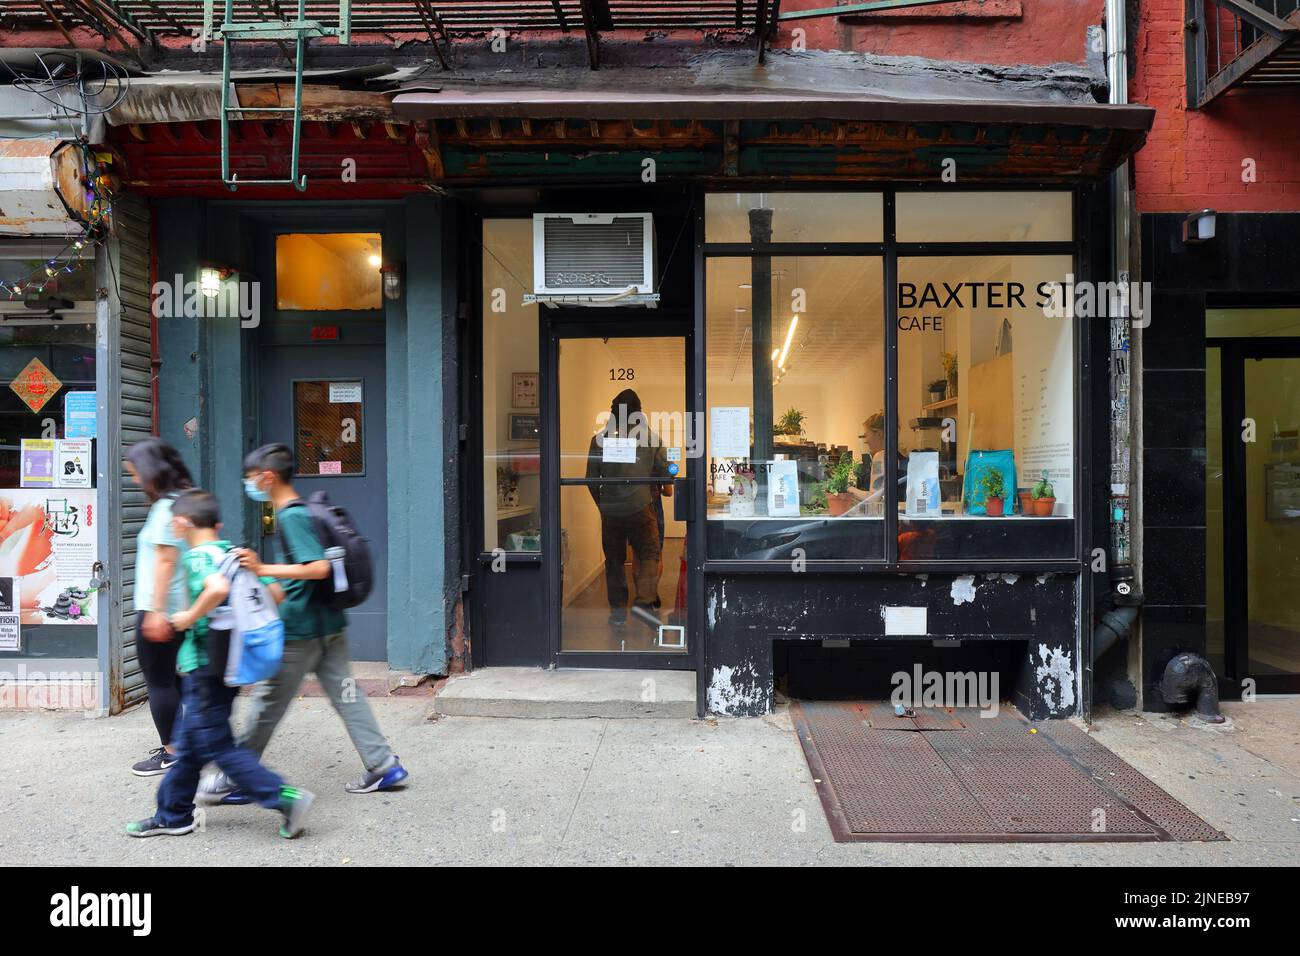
202, 657
314, 623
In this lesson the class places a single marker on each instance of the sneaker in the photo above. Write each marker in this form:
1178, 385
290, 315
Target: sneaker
294, 804
158, 762
384, 777
216, 789
151, 827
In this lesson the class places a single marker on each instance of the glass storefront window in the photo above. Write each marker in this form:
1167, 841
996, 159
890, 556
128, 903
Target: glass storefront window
985, 407
48, 523
795, 368
317, 272
794, 217
511, 390
984, 217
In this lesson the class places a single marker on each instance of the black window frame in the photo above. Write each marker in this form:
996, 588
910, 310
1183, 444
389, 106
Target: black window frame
1079, 249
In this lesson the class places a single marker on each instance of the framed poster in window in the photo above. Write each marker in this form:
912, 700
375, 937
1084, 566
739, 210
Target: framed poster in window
523, 390
525, 427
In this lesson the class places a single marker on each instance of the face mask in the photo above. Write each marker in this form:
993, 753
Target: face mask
254, 492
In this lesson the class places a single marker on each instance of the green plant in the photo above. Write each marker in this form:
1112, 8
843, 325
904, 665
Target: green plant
791, 423
992, 484
1043, 488
838, 481
949, 360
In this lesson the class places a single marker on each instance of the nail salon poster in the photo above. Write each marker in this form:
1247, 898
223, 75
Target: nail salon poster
47, 544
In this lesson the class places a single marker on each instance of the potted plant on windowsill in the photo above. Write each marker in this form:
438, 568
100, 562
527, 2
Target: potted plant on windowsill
1044, 496
938, 390
950, 371
838, 499
994, 493
790, 424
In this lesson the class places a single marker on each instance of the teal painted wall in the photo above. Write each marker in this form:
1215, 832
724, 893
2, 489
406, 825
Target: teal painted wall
207, 371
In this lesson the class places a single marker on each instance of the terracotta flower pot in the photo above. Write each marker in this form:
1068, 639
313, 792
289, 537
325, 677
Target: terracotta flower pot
839, 503
1043, 507
993, 506
1026, 504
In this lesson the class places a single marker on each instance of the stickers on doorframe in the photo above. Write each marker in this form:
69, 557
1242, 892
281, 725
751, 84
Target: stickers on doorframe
341, 392
35, 385
36, 463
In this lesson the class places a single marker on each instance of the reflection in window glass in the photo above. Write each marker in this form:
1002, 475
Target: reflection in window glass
793, 217
511, 416
327, 427
986, 404
328, 271
983, 217
795, 372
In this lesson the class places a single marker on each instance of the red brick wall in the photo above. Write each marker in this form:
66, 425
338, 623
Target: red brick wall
1193, 159
1035, 32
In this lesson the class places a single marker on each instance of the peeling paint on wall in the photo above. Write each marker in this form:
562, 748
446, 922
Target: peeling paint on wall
1055, 678
963, 589
736, 691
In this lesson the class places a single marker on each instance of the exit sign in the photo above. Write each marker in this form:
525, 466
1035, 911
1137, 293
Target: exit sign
324, 333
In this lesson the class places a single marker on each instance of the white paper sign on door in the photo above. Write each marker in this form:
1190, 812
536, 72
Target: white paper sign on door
341, 392
620, 451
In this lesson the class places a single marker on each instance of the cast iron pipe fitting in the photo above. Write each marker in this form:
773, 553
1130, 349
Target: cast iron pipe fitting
1188, 676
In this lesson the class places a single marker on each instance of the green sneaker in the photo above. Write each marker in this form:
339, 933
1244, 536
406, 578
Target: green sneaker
294, 804
151, 827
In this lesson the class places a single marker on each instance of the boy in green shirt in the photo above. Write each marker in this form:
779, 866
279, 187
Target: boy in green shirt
313, 631
206, 700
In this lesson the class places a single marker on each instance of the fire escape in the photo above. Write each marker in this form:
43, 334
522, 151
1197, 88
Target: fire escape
1237, 44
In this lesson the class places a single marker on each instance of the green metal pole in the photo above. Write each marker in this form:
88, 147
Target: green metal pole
301, 186
225, 99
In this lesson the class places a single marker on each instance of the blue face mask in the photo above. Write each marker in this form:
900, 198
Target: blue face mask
254, 492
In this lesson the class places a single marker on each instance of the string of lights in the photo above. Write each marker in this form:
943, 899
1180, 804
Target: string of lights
97, 182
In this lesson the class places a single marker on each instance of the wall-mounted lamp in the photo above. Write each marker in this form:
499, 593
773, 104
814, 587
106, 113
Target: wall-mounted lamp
392, 282
1199, 226
210, 279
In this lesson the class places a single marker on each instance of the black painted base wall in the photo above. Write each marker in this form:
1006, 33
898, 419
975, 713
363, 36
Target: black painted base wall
1032, 621
1253, 260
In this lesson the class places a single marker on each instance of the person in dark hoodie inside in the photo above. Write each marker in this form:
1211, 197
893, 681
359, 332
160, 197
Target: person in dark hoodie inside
627, 511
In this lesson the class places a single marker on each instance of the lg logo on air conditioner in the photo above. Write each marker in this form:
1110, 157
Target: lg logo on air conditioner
92, 910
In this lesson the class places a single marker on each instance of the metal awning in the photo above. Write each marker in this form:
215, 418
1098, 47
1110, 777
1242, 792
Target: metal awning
649, 104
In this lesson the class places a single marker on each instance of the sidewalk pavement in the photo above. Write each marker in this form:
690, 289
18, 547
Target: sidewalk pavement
648, 791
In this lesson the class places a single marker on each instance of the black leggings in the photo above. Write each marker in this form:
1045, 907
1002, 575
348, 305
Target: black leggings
158, 662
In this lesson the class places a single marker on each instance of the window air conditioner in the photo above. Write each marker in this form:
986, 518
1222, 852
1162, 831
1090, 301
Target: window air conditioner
594, 259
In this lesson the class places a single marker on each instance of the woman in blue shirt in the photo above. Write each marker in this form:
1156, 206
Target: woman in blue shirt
159, 590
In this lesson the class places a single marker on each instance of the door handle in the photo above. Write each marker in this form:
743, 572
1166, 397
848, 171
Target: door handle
268, 518
681, 499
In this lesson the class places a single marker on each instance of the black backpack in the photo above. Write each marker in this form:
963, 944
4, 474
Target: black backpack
336, 529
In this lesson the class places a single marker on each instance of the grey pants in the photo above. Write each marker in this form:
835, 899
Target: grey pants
329, 660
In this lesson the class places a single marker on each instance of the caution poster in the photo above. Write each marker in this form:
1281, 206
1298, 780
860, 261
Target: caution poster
48, 545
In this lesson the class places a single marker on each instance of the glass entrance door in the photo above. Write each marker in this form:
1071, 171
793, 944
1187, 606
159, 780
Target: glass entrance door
1271, 481
624, 443
1253, 513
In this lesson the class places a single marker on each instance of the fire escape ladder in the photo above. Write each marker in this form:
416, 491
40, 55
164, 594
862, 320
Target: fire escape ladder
1240, 44
297, 31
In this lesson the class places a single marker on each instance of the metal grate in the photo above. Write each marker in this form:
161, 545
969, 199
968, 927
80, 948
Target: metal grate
991, 779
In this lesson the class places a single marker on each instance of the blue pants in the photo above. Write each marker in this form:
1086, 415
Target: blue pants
204, 737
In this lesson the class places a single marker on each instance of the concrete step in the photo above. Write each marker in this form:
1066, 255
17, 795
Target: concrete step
534, 692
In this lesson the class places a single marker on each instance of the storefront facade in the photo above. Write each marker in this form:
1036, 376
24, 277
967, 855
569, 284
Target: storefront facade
756, 593
840, 291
